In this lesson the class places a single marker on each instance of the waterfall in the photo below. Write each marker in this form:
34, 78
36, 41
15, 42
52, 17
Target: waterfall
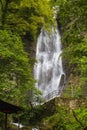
48, 69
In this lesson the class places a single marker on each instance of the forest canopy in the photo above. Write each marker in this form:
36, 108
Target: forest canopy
26, 17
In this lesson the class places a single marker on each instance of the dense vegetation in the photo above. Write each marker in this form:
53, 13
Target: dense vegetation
25, 17
72, 18
66, 119
72, 21
20, 20
20, 23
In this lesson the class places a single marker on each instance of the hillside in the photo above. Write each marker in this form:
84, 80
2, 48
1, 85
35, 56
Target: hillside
20, 24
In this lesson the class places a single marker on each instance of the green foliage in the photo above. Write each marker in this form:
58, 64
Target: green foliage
82, 115
64, 119
26, 17
72, 18
32, 116
20, 20
15, 71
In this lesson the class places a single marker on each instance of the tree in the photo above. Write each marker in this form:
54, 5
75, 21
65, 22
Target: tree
26, 17
72, 19
16, 78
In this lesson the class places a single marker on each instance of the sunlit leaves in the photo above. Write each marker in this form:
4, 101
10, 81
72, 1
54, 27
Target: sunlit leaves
72, 18
15, 71
27, 16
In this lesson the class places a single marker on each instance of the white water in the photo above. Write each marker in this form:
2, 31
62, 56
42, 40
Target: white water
48, 70
17, 124
35, 129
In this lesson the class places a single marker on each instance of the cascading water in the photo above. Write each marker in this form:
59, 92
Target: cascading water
48, 70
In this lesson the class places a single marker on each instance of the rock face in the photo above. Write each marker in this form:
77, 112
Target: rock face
31, 49
72, 103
